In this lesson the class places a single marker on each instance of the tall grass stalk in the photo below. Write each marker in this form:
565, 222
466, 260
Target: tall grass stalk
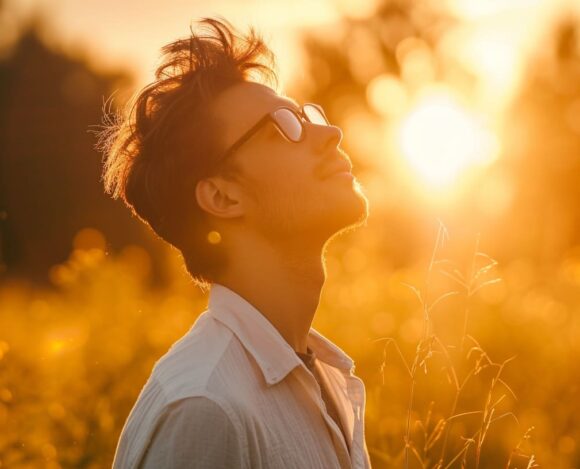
461, 364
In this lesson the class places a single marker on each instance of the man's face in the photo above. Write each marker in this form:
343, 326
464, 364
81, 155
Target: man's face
290, 190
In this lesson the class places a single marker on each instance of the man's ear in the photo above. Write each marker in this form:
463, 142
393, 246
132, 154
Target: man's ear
219, 197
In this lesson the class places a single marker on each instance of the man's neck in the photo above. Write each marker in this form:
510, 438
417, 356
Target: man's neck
282, 282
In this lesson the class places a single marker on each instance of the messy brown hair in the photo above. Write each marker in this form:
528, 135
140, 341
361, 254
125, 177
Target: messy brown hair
167, 139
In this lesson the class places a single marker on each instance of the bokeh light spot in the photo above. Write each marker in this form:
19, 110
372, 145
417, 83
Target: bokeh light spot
214, 237
89, 238
5, 395
386, 95
137, 260
566, 444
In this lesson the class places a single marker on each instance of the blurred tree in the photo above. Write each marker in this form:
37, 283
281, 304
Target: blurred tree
542, 137
342, 64
49, 172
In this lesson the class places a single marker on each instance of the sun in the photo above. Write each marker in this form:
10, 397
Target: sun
440, 139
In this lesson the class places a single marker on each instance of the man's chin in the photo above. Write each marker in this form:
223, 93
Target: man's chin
359, 214
353, 213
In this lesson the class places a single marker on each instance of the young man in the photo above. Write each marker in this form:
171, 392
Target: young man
250, 187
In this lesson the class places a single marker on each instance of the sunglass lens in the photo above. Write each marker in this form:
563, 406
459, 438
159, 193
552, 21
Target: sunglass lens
315, 115
289, 124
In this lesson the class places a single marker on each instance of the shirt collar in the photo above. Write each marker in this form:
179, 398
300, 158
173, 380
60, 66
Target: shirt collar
272, 353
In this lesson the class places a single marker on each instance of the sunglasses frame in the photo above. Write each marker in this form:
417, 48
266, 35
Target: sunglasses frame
301, 116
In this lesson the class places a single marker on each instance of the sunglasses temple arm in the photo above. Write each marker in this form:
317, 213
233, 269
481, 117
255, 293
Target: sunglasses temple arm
244, 138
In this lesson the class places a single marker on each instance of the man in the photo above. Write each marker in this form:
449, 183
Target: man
250, 187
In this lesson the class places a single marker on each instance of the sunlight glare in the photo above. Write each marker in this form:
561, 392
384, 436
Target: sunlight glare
440, 139
471, 9
487, 53
357, 9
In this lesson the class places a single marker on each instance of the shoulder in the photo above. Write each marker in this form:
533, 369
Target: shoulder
199, 365
209, 361
187, 369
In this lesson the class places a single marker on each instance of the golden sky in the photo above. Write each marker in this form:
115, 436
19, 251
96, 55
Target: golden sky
130, 32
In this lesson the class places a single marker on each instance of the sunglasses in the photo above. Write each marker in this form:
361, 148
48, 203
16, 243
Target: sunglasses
288, 121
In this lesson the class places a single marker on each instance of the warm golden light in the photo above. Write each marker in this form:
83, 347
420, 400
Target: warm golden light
440, 139
57, 345
89, 238
214, 237
462, 121
386, 95
357, 8
494, 55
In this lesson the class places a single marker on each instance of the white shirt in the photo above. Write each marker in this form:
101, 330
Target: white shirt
233, 393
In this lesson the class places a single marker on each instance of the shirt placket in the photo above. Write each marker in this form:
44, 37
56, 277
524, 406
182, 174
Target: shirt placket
351, 396
356, 394
314, 392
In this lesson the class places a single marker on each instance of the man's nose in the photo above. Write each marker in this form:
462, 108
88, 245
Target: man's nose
325, 137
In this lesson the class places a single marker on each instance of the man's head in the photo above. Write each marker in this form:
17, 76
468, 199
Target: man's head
208, 147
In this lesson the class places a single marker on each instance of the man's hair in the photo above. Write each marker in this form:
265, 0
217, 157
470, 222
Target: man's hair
168, 139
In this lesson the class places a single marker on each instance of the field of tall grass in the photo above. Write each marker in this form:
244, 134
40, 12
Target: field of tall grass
467, 362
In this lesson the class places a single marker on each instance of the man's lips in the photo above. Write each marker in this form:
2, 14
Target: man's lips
336, 166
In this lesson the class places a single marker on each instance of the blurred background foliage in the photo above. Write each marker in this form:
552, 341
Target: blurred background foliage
89, 299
